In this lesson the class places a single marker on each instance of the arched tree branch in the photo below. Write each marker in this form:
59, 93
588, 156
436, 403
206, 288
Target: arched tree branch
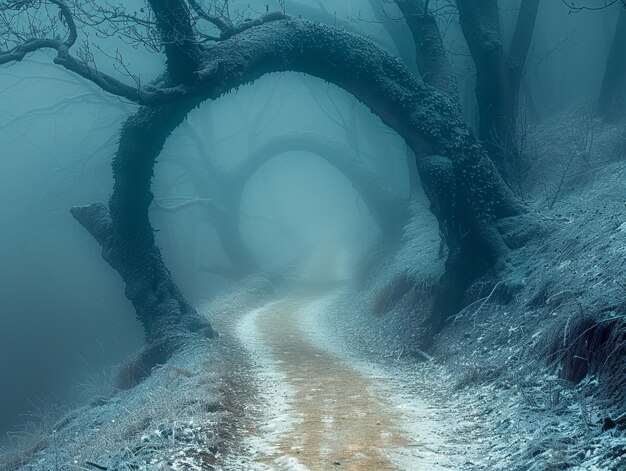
426, 119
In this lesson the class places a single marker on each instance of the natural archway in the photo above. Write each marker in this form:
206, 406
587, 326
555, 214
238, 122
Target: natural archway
466, 192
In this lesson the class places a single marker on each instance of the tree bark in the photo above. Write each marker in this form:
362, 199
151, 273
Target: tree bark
612, 100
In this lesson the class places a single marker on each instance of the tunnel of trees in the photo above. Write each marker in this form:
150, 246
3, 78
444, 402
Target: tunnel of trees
467, 194
467, 179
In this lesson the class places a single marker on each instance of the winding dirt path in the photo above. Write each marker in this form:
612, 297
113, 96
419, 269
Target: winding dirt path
338, 420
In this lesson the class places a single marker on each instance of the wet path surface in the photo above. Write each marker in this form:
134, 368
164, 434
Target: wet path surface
338, 420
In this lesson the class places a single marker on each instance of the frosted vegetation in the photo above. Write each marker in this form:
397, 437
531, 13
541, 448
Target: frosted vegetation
306, 234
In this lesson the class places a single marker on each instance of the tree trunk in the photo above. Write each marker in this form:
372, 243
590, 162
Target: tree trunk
220, 206
227, 227
612, 100
498, 76
225, 219
178, 38
521, 41
128, 245
431, 56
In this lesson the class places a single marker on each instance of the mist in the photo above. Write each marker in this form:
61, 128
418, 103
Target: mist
342, 182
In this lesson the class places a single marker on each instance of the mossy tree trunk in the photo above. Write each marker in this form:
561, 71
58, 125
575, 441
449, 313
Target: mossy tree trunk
128, 245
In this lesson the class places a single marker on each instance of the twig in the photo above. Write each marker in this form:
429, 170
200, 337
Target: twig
424, 354
97, 466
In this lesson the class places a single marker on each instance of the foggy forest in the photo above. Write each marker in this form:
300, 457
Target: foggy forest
301, 235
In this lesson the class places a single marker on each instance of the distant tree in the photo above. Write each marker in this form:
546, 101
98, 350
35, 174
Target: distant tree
431, 56
499, 75
612, 100
219, 192
467, 195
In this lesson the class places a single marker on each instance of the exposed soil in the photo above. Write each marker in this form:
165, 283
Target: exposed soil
341, 421
318, 408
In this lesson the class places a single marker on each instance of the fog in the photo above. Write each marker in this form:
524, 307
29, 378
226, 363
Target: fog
63, 315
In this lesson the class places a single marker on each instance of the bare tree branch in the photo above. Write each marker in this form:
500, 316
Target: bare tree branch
182, 203
573, 8
30, 40
222, 24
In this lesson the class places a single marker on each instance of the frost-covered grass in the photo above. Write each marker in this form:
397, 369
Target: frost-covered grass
185, 415
567, 152
512, 401
165, 421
